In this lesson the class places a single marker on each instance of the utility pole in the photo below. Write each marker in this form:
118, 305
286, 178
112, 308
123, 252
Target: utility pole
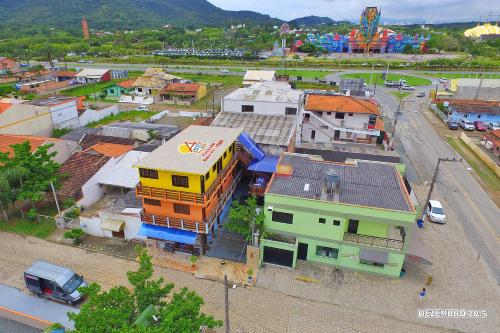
396, 121
434, 178
55, 197
226, 305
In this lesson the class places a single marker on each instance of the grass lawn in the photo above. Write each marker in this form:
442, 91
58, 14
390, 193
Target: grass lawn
463, 75
489, 178
42, 229
88, 89
411, 80
135, 116
227, 80
307, 74
400, 94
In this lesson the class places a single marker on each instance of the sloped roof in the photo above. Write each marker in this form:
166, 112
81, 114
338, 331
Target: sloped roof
181, 87
126, 84
92, 72
256, 75
78, 133
279, 92
7, 140
123, 174
340, 103
111, 149
92, 139
154, 78
65, 74
79, 168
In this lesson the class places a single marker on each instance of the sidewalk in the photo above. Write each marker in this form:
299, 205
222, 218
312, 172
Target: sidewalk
39, 308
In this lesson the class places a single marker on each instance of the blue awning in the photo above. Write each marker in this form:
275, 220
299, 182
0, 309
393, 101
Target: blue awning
268, 164
168, 234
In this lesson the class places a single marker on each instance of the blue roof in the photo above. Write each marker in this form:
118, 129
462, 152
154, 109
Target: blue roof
251, 146
268, 164
168, 234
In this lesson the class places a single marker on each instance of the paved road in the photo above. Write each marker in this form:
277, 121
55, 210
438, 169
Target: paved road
477, 213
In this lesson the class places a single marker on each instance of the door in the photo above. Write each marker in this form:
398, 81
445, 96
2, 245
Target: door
276, 256
313, 134
302, 251
353, 226
336, 136
118, 234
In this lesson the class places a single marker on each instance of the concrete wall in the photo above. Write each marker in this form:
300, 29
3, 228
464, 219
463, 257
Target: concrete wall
90, 115
92, 226
481, 154
26, 119
91, 190
65, 115
267, 108
132, 223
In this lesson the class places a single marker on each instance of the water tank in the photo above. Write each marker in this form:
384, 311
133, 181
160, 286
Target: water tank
332, 180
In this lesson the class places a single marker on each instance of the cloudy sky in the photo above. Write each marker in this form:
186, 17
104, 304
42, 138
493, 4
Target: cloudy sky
404, 10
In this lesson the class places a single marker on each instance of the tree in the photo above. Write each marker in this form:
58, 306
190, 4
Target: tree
9, 186
38, 169
244, 218
116, 310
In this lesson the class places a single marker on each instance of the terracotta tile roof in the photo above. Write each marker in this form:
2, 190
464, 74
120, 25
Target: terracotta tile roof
66, 74
111, 149
79, 168
181, 87
338, 103
379, 124
90, 140
126, 84
4, 106
7, 140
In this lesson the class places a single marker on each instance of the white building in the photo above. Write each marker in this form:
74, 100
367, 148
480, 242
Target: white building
93, 75
267, 98
255, 76
338, 117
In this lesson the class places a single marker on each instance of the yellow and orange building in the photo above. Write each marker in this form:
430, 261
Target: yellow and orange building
187, 184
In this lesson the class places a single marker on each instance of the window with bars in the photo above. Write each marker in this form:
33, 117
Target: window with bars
180, 181
152, 202
282, 217
181, 209
148, 173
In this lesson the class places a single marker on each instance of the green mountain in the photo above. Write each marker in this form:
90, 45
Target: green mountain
311, 21
121, 14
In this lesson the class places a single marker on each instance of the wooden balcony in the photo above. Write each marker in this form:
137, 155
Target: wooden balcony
194, 198
203, 227
256, 190
387, 243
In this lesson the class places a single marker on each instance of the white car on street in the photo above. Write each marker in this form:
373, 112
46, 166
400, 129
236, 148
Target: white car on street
435, 212
142, 108
443, 80
224, 70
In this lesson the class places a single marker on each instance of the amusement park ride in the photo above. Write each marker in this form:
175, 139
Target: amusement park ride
369, 38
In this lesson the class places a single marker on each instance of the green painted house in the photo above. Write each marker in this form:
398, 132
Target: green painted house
118, 89
355, 216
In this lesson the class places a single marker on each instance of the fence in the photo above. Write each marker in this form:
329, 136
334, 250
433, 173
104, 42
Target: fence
481, 154
439, 113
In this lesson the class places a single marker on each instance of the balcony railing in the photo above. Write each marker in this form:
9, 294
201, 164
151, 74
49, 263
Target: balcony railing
197, 226
374, 241
196, 198
257, 190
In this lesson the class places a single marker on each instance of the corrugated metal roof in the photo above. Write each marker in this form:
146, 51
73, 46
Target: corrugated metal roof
277, 92
122, 174
370, 184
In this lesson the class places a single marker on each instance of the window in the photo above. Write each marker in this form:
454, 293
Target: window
247, 108
148, 173
282, 217
322, 220
290, 111
207, 175
324, 126
180, 181
181, 209
328, 252
366, 262
339, 115
139, 89
336, 223
152, 202
111, 91
224, 155
214, 168
351, 114
328, 113
313, 134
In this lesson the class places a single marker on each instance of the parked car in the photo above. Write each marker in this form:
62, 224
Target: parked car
407, 87
55, 282
142, 108
81, 61
452, 124
480, 126
224, 70
466, 125
421, 94
493, 126
90, 62
435, 212
443, 80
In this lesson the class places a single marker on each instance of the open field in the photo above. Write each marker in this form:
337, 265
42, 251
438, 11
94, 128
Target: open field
484, 172
88, 89
135, 116
26, 227
371, 79
227, 80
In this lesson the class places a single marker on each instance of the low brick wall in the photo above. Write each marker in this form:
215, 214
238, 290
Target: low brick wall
481, 154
